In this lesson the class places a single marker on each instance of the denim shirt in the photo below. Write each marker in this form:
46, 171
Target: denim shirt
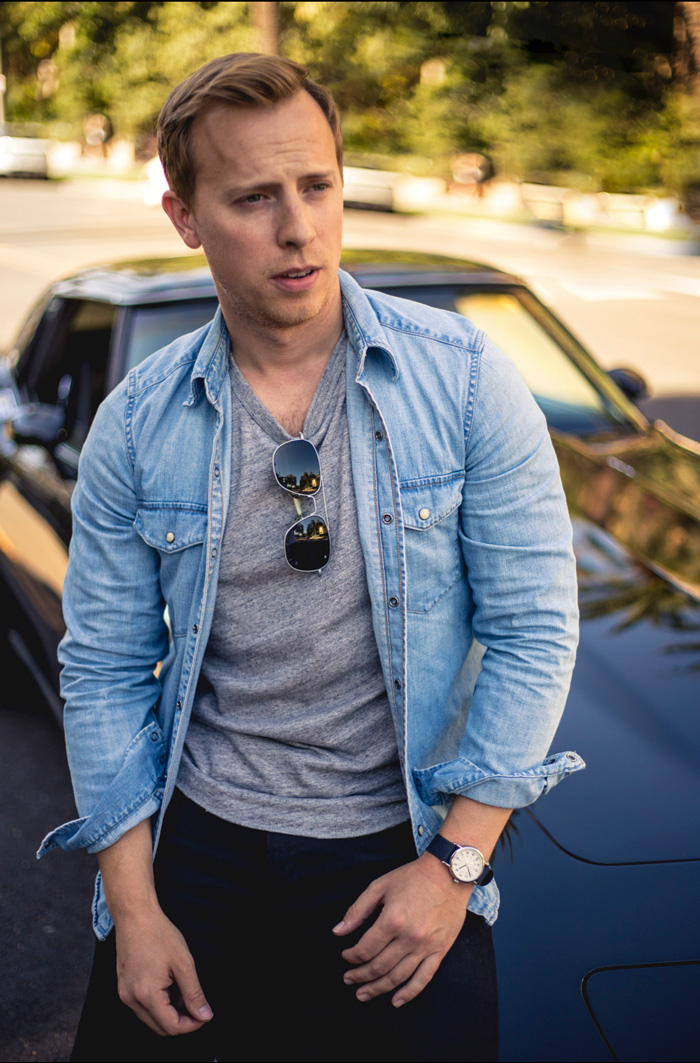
467, 548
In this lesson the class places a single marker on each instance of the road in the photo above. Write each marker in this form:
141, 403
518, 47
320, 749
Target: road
629, 303
47, 941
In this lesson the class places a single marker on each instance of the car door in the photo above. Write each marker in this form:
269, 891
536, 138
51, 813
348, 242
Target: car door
60, 378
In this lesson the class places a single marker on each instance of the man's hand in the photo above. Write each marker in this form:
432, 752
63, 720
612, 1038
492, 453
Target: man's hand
157, 976
155, 969
422, 913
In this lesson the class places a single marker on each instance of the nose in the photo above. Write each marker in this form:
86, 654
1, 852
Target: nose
295, 228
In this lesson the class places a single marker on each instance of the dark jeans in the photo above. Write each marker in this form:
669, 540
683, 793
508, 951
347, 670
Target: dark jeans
256, 910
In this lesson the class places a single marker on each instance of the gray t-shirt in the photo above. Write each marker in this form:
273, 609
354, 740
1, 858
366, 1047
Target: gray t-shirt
291, 729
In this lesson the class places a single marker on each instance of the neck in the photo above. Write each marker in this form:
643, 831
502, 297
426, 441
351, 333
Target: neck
262, 351
284, 365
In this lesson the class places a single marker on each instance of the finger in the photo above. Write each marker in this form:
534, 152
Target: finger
168, 1010
157, 1012
390, 926
397, 976
366, 903
191, 992
154, 1009
387, 960
423, 975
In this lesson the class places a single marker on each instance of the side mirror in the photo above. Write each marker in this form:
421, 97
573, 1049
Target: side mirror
631, 383
39, 424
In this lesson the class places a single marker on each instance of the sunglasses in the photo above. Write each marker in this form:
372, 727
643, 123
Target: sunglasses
297, 469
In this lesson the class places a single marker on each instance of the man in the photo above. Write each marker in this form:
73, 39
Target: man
411, 675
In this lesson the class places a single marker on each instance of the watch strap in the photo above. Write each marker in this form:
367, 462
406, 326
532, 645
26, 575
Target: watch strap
441, 848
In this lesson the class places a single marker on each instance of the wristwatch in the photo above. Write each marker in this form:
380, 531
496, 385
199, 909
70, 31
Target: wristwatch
465, 862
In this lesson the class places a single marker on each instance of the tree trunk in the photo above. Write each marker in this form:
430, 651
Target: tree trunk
686, 32
265, 17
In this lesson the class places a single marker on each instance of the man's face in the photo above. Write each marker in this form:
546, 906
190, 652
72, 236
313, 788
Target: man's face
267, 211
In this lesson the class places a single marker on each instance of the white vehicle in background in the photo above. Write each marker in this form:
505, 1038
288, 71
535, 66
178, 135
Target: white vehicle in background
364, 186
23, 152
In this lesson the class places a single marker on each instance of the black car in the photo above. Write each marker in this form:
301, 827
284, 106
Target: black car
598, 943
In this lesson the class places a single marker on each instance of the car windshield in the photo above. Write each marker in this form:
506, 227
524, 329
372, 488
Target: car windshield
153, 327
568, 397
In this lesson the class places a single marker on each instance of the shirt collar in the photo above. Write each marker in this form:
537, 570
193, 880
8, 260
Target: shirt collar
363, 326
210, 370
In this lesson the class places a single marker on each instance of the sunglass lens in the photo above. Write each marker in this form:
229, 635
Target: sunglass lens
307, 545
297, 467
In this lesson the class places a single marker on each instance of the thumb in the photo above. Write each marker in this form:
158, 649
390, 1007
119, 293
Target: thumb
192, 994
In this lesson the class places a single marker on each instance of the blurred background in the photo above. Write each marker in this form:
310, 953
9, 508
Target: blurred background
557, 141
560, 141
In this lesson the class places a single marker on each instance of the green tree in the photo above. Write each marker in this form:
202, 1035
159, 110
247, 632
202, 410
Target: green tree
593, 94
119, 59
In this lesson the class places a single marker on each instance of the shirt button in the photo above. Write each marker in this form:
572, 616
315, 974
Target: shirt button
397, 684
170, 537
393, 602
420, 830
195, 628
378, 436
179, 704
424, 514
387, 518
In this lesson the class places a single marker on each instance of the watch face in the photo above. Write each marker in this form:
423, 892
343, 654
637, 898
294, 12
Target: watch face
467, 864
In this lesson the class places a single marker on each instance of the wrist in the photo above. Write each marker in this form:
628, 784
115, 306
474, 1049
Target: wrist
131, 909
434, 869
464, 863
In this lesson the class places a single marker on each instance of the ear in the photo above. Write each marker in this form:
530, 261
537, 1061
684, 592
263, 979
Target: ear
182, 218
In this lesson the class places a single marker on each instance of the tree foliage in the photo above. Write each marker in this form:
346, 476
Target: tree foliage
595, 94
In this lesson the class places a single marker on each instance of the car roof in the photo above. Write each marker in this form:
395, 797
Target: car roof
188, 276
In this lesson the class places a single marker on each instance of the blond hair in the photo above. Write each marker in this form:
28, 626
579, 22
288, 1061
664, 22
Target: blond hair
243, 79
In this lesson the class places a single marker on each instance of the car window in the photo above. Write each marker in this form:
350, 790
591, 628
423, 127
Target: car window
153, 327
73, 370
568, 397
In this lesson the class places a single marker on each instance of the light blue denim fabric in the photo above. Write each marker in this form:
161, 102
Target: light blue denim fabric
467, 547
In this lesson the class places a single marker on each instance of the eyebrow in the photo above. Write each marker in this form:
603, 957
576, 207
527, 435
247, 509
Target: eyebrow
256, 186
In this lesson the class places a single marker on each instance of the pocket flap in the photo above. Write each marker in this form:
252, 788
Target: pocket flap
169, 528
426, 502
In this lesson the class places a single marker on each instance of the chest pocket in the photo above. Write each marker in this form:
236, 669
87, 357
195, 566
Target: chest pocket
177, 531
433, 555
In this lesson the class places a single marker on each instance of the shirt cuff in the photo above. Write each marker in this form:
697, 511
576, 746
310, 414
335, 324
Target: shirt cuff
440, 782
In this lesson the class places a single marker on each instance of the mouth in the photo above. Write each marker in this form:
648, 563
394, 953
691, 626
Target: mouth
296, 274
297, 280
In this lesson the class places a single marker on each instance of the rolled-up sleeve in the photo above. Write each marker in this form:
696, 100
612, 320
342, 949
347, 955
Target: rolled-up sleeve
516, 540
